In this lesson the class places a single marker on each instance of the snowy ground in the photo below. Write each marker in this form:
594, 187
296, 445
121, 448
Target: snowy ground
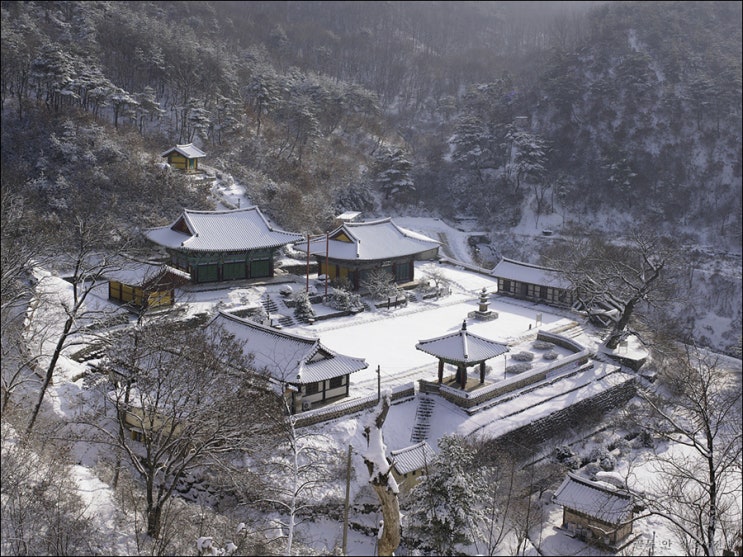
386, 339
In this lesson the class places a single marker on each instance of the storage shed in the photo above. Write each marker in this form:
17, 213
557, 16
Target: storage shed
596, 512
184, 157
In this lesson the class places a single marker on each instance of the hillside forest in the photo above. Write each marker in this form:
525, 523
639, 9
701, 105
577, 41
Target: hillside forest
589, 136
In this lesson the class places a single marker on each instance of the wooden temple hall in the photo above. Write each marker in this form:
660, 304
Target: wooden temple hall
462, 349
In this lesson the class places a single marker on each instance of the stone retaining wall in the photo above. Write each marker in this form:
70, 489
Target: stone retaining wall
530, 436
339, 410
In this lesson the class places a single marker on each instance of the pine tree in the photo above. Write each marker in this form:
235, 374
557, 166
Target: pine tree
445, 508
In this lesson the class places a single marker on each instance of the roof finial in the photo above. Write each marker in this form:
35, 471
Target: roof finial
464, 325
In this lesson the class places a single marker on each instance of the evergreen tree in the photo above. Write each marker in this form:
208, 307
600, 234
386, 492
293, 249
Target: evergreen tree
445, 508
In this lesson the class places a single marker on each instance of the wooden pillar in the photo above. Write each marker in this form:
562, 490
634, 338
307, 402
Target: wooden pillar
441, 371
482, 372
462, 376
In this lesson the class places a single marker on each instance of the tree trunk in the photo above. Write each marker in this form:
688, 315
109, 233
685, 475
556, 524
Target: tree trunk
390, 539
50, 373
154, 520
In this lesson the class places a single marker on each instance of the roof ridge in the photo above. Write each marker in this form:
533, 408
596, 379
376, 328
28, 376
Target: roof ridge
221, 211
269, 329
532, 265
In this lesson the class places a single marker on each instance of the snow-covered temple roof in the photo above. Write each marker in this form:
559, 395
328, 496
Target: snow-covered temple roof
414, 457
189, 150
596, 499
510, 269
287, 357
370, 241
462, 347
141, 273
238, 230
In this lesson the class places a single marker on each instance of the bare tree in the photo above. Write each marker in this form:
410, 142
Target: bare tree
22, 245
699, 478
181, 406
380, 477
89, 258
621, 278
42, 513
380, 284
296, 466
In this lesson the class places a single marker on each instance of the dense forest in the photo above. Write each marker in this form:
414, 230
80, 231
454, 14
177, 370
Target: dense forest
605, 118
581, 108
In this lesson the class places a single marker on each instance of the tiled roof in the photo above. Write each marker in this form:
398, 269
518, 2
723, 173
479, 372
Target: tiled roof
462, 347
190, 151
287, 357
414, 457
238, 230
370, 241
595, 499
140, 273
531, 274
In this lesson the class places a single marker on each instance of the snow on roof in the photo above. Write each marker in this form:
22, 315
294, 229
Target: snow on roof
596, 499
189, 150
412, 458
462, 347
532, 274
369, 241
348, 215
287, 357
237, 230
139, 273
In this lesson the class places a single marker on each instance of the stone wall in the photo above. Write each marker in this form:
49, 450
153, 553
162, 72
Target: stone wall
341, 409
530, 436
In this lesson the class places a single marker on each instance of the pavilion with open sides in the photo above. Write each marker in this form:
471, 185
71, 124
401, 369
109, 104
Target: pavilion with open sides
463, 349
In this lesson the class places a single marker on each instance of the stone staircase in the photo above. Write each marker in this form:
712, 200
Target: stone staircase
423, 415
272, 308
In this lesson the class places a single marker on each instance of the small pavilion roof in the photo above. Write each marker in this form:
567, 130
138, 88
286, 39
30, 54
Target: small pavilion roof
189, 150
412, 458
237, 230
369, 241
532, 274
462, 347
597, 499
287, 357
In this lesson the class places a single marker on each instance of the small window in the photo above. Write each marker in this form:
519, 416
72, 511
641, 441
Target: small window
336, 382
312, 388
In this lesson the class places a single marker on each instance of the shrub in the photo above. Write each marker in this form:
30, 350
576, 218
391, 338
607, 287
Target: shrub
523, 356
518, 368
551, 355
303, 309
344, 301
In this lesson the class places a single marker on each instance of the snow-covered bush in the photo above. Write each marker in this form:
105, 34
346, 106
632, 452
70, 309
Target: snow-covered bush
344, 301
523, 356
303, 307
518, 368
561, 452
551, 355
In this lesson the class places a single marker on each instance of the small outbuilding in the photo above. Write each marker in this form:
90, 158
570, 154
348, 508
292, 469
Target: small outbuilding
410, 463
355, 249
533, 283
143, 285
596, 512
307, 371
462, 349
215, 246
184, 157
